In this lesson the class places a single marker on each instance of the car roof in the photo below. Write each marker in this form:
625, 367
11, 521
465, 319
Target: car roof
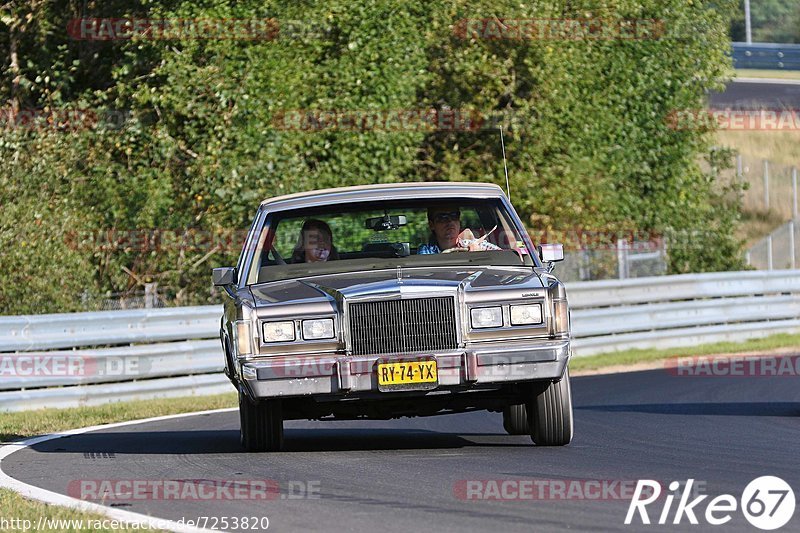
384, 191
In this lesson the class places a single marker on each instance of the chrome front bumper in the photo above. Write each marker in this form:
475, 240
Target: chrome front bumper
287, 376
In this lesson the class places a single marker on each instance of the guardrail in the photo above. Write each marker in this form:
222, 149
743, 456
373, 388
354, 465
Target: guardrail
685, 310
766, 55
175, 352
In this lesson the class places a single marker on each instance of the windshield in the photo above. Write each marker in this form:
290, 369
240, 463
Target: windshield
366, 236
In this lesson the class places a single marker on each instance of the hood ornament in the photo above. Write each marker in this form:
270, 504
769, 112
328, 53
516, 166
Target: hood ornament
399, 274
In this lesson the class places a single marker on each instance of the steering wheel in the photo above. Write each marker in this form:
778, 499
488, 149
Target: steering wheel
455, 249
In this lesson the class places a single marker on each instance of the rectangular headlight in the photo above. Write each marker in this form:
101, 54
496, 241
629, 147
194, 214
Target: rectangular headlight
486, 317
244, 337
560, 317
321, 328
526, 314
279, 331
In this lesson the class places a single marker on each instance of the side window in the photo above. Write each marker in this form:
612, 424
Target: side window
287, 234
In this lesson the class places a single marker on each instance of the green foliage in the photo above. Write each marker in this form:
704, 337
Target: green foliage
589, 142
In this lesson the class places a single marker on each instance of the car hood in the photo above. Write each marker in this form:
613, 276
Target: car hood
326, 293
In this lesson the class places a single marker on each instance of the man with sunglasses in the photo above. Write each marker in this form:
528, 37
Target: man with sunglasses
445, 225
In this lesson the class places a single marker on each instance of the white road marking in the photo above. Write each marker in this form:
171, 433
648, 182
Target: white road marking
768, 81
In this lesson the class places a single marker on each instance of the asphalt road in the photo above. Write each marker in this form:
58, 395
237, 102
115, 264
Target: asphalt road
404, 475
757, 95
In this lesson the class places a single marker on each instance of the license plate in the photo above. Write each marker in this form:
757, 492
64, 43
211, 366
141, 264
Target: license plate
407, 375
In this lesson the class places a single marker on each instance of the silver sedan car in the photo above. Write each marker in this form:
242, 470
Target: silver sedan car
395, 300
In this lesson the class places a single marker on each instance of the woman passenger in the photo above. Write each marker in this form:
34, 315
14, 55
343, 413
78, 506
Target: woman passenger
315, 243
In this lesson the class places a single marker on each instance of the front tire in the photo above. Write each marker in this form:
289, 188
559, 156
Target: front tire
550, 414
515, 420
261, 424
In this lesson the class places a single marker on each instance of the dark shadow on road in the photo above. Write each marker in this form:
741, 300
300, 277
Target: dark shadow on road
296, 440
714, 409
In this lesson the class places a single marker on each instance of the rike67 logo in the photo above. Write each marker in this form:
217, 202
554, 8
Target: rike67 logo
767, 503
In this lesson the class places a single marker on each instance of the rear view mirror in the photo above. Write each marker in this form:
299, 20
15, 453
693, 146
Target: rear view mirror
550, 253
386, 222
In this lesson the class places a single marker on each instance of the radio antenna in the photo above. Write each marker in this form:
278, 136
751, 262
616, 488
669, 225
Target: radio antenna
505, 164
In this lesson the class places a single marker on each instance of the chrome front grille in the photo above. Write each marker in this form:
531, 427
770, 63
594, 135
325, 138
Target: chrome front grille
399, 326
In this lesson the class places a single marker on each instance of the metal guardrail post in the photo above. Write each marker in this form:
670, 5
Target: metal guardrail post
769, 252
794, 193
747, 26
791, 245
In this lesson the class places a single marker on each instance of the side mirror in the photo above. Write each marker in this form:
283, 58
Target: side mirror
551, 253
224, 276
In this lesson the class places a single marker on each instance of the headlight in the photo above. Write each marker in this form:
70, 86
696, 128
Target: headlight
526, 314
244, 337
560, 317
487, 317
318, 329
278, 331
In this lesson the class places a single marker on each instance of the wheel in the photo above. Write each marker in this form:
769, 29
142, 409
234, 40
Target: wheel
515, 420
261, 424
550, 414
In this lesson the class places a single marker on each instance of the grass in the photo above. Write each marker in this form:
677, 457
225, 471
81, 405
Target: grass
778, 146
630, 357
764, 73
782, 150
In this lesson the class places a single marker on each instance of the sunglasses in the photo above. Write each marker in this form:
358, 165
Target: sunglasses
446, 217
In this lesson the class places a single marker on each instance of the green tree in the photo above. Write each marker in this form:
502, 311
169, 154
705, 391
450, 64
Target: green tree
202, 141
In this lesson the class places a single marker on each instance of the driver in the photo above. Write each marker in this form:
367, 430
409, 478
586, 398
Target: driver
445, 225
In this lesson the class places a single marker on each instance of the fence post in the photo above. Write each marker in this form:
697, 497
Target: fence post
766, 185
791, 244
150, 295
622, 259
739, 166
794, 192
769, 252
